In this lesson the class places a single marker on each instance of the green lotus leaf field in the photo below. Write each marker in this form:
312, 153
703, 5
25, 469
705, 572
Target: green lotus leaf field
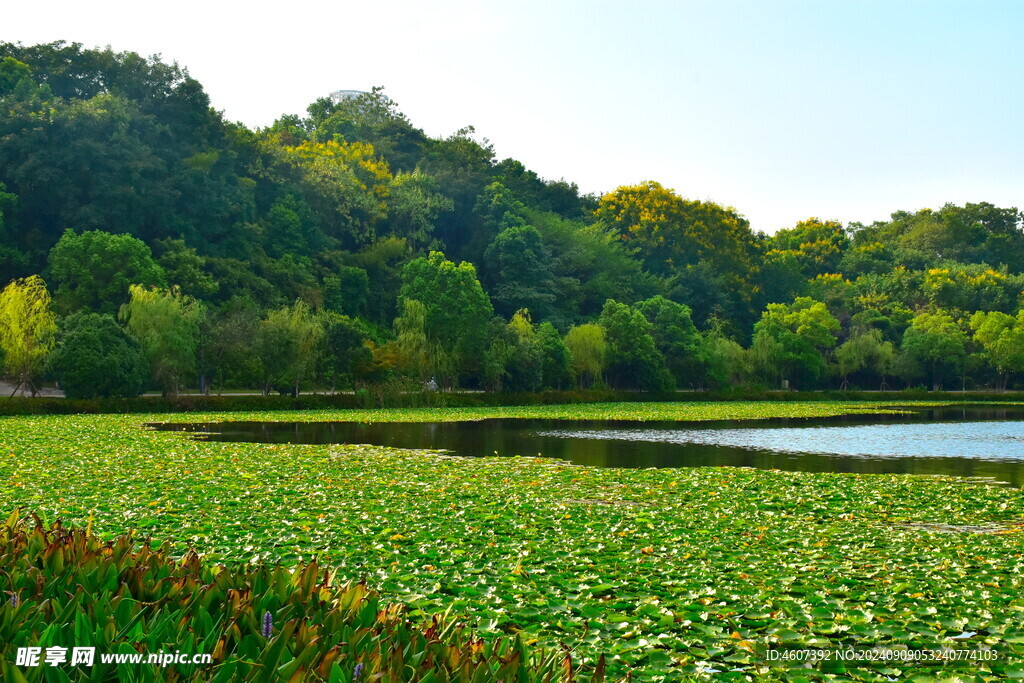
671, 573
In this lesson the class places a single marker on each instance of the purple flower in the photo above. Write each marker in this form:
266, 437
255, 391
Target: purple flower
268, 625
14, 600
357, 673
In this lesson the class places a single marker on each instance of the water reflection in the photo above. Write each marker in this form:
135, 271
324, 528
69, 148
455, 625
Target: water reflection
977, 442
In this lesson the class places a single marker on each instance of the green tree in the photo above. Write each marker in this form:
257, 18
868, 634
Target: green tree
633, 361
933, 346
95, 269
519, 272
95, 357
12, 258
588, 349
526, 369
725, 362
457, 309
1002, 338
344, 354
685, 239
184, 267
288, 340
27, 329
556, 357
676, 337
497, 358
789, 340
166, 325
347, 290
414, 205
413, 348
866, 349
229, 350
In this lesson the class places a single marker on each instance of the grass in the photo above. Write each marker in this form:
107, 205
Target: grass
671, 572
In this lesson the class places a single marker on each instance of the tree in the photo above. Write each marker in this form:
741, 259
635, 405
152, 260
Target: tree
166, 325
587, 350
457, 309
27, 329
229, 351
347, 291
184, 267
11, 258
95, 357
555, 355
789, 340
676, 235
866, 349
95, 269
816, 245
724, 361
370, 117
344, 355
413, 208
675, 336
1002, 338
526, 369
413, 352
632, 360
933, 346
519, 272
288, 339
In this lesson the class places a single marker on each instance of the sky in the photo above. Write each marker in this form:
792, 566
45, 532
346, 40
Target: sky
782, 109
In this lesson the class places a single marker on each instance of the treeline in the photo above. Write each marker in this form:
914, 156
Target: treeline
348, 249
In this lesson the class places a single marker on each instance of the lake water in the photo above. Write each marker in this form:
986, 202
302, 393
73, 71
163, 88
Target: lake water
971, 442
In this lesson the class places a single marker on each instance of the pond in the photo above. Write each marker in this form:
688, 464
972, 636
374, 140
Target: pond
962, 441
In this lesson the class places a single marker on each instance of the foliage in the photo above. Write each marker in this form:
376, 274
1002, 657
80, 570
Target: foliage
866, 350
95, 357
632, 361
588, 351
287, 340
457, 308
676, 338
556, 358
789, 340
724, 361
934, 347
520, 271
1002, 338
27, 328
166, 325
115, 170
343, 353
95, 269
676, 235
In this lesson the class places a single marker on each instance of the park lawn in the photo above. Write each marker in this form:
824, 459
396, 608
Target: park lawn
671, 572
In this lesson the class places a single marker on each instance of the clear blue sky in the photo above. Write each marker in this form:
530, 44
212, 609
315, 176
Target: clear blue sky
784, 110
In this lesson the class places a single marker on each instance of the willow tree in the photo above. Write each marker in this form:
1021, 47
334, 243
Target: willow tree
288, 340
166, 324
587, 350
28, 329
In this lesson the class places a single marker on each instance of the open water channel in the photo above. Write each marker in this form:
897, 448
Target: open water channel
975, 441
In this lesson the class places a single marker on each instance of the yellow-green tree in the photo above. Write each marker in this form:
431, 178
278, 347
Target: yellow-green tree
1002, 338
587, 351
708, 250
166, 324
28, 329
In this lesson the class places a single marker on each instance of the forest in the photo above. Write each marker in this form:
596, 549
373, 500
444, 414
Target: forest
146, 243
